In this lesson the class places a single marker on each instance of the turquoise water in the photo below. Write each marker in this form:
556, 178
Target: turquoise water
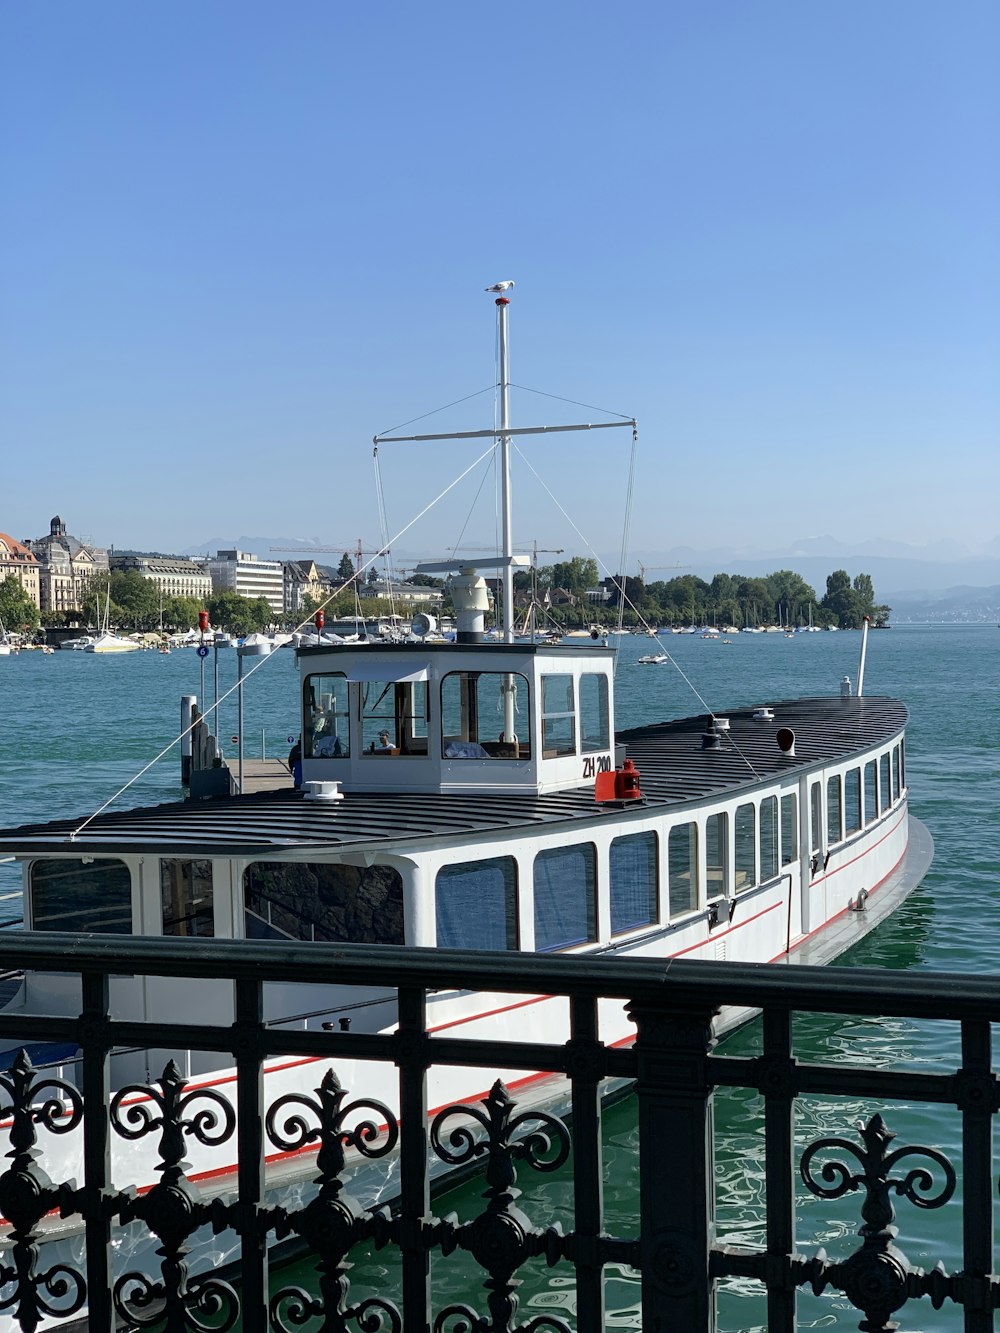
75, 727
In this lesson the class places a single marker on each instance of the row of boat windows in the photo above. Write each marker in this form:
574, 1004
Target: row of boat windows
476, 903
858, 797
393, 717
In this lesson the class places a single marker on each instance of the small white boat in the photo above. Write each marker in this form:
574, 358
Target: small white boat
111, 643
653, 659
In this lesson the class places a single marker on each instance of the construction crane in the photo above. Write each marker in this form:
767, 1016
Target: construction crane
643, 568
347, 548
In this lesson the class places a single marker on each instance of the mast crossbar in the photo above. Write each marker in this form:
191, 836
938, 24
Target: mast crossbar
498, 433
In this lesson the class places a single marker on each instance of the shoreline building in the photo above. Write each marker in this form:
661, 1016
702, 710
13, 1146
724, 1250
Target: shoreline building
302, 579
243, 572
17, 561
174, 576
65, 567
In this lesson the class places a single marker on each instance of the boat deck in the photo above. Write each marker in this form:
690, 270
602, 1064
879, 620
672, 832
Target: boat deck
672, 765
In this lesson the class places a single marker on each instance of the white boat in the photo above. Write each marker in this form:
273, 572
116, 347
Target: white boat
654, 659
107, 641
475, 795
111, 643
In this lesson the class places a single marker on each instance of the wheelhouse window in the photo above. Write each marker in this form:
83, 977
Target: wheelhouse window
558, 717
852, 800
716, 853
789, 828
92, 896
476, 905
565, 888
834, 831
595, 725
292, 900
393, 717
768, 838
186, 897
472, 715
897, 784
871, 792
745, 828
634, 886
884, 789
326, 732
682, 855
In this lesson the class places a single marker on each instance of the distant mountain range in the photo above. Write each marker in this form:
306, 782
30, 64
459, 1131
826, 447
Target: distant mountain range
940, 581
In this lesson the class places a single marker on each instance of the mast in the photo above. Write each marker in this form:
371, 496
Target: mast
507, 530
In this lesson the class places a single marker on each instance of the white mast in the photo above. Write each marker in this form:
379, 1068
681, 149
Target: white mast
507, 525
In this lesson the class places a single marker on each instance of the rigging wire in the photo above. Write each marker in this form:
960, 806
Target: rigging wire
622, 416
264, 660
642, 619
434, 410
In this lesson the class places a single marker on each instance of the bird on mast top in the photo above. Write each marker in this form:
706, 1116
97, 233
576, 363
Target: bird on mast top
501, 287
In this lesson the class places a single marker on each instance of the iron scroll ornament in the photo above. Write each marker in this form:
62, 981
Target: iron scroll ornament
333, 1221
27, 1194
173, 1209
876, 1278
501, 1238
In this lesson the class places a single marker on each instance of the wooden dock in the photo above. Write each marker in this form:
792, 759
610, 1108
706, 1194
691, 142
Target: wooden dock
259, 774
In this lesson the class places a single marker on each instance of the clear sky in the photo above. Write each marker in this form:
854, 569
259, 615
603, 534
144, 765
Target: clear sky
238, 238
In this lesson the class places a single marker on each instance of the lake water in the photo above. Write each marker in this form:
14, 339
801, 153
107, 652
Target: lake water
75, 727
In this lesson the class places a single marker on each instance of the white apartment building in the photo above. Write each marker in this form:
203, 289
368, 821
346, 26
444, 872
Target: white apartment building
243, 572
173, 575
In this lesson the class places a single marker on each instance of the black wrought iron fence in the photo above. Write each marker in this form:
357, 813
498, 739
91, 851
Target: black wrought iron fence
673, 1062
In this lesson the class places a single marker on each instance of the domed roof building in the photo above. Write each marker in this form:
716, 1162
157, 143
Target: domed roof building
65, 563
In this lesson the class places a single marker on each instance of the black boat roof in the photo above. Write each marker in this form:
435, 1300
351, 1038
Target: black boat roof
673, 768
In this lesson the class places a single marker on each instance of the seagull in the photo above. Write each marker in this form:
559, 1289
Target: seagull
500, 286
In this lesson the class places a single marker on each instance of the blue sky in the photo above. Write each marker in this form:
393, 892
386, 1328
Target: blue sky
239, 238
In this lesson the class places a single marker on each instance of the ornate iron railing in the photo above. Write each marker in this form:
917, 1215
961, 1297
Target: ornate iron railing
676, 1069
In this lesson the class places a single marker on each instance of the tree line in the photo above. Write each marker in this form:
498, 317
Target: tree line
782, 597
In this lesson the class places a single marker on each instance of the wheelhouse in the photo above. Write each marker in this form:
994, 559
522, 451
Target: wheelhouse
456, 717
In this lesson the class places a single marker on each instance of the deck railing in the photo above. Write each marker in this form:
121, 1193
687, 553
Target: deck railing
676, 1068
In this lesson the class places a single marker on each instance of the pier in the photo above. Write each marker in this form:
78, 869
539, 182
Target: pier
675, 1065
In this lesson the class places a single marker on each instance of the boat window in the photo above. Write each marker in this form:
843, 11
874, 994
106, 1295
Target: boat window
326, 717
746, 847
768, 837
565, 885
558, 717
790, 827
871, 797
81, 895
834, 832
897, 785
884, 794
902, 766
394, 717
716, 844
816, 817
634, 887
289, 900
682, 855
852, 800
186, 897
476, 905
472, 711
595, 725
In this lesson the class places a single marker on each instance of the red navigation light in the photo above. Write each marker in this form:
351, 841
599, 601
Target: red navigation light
203, 621
320, 620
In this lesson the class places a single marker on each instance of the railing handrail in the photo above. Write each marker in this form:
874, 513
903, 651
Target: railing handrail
688, 982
